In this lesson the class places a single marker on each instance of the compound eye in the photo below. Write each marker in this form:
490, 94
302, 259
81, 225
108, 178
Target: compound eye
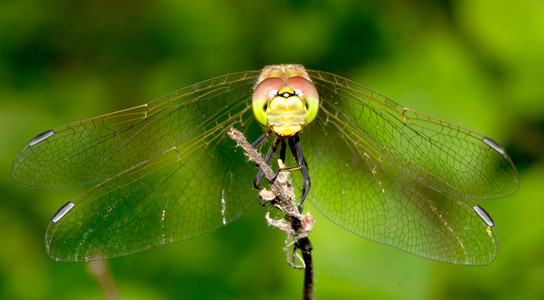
265, 91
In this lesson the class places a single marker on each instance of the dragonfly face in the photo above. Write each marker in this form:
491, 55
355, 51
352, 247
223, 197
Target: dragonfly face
166, 171
285, 99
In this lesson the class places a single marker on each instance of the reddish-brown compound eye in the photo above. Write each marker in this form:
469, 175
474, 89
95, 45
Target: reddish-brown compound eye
261, 96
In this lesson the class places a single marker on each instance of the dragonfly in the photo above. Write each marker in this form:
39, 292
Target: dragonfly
166, 171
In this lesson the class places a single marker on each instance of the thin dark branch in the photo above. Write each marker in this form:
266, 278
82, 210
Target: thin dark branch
306, 249
295, 225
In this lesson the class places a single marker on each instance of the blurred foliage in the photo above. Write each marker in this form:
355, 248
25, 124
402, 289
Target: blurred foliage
475, 63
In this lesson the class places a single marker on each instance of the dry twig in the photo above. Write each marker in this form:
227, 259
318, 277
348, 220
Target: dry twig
295, 225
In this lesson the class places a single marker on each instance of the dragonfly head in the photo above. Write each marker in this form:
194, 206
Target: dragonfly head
285, 100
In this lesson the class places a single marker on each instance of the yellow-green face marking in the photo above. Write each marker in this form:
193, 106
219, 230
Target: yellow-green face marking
285, 100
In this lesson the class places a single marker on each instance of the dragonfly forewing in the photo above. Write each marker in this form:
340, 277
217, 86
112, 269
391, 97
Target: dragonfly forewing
102, 147
441, 155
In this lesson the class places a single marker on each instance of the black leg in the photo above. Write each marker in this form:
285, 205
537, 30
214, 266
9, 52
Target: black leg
282, 151
294, 143
260, 140
267, 159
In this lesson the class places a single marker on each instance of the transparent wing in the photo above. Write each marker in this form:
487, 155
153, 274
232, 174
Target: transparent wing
401, 178
101, 147
169, 171
443, 156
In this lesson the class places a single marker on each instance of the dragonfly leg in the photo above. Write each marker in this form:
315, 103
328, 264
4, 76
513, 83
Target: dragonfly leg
282, 151
282, 157
267, 159
260, 140
294, 143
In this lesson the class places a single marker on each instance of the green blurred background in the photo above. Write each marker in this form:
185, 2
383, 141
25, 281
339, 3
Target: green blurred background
479, 64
